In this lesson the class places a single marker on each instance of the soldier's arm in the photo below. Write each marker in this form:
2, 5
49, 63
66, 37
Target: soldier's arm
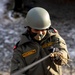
61, 48
17, 61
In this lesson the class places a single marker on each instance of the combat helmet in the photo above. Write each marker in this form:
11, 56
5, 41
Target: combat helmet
38, 18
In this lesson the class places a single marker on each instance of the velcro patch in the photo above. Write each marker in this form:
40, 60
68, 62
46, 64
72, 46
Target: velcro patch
29, 53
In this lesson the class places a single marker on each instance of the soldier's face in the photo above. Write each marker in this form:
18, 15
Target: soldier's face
39, 34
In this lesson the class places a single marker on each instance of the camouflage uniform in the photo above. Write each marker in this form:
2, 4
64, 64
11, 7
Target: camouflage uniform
29, 51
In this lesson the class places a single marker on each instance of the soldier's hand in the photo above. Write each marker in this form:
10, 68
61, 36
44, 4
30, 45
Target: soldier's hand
56, 54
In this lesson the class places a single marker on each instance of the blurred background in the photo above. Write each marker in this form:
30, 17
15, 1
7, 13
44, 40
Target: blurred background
12, 15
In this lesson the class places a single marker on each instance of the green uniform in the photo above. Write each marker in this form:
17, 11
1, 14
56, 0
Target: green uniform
29, 51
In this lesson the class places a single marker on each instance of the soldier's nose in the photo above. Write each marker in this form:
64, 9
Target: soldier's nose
40, 32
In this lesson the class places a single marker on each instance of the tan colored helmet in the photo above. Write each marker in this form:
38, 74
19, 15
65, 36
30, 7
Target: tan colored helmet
38, 18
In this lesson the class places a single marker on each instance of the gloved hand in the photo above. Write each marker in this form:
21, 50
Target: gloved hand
57, 57
56, 54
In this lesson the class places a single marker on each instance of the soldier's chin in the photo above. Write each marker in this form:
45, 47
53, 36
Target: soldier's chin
38, 39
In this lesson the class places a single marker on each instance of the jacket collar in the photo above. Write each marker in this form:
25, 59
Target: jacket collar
24, 38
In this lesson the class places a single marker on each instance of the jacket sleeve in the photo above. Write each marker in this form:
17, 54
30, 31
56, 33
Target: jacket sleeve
17, 61
61, 47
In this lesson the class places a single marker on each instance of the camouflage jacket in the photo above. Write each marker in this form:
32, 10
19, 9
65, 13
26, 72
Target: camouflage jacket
29, 51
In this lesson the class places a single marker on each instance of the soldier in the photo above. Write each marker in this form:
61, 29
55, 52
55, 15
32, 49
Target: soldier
39, 40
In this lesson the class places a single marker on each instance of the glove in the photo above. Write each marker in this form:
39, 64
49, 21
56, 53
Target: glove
55, 54
56, 57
